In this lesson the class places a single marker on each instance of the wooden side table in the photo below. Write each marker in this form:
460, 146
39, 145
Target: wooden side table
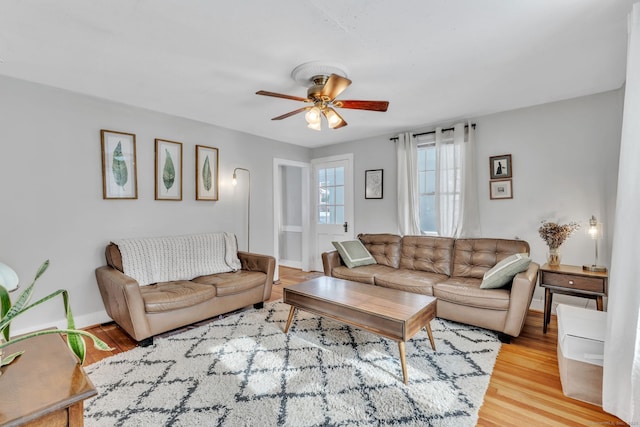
45, 386
571, 280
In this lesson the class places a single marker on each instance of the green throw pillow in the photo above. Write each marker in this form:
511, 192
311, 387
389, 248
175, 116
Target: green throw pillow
502, 273
353, 253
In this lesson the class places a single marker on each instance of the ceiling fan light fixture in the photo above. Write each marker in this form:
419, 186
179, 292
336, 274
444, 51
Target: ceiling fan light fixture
313, 116
325, 83
333, 118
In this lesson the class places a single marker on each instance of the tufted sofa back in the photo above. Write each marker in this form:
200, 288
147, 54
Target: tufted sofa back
427, 253
469, 258
473, 257
385, 248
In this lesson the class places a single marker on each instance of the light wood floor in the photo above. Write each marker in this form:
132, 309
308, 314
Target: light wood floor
525, 387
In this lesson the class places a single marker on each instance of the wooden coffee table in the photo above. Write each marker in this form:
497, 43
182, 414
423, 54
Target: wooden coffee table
390, 313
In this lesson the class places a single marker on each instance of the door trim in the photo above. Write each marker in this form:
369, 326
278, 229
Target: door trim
277, 214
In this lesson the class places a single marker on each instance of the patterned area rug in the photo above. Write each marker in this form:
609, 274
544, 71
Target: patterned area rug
243, 370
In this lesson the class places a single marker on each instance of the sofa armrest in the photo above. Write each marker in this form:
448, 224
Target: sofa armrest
522, 288
259, 262
330, 260
123, 301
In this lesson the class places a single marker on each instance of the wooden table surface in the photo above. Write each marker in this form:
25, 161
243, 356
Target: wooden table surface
44, 385
387, 312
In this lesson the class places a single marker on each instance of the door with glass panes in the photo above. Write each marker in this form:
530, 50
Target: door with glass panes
333, 203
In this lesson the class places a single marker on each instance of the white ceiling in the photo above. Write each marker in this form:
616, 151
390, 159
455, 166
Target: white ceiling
434, 60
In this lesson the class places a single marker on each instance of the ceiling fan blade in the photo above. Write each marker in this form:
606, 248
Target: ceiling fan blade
363, 105
334, 119
292, 113
334, 86
281, 95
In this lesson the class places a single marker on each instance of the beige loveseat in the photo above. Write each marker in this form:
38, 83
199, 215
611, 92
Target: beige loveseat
235, 280
451, 270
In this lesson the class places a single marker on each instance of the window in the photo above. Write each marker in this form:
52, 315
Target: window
331, 193
427, 186
439, 182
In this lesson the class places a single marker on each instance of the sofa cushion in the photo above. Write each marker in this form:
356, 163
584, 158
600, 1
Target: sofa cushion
167, 296
502, 273
363, 274
474, 257
385, 248
353, 253
233, 282
466, 291
416, 281
427, 253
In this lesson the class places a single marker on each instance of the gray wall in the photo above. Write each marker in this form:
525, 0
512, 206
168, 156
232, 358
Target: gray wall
51, 190
371, 215
565, 163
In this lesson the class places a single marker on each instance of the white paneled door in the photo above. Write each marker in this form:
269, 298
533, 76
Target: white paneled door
332, 203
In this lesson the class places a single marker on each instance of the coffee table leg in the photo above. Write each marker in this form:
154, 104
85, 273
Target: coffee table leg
403, 361
433, 344
291, 312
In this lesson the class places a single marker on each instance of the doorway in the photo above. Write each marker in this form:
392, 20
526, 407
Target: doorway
291, 214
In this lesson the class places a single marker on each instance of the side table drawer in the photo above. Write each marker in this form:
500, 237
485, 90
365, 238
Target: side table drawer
573, 282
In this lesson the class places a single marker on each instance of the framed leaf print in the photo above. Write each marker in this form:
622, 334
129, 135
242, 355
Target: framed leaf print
119, 176
168, 170
206, 173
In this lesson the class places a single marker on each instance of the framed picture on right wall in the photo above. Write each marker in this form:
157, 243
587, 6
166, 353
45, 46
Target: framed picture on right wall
500, 166
500, 189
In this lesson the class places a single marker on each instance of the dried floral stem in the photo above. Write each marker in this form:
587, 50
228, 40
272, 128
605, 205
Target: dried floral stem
554, 235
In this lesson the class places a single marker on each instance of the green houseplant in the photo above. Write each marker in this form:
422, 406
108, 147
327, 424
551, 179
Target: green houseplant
9, 311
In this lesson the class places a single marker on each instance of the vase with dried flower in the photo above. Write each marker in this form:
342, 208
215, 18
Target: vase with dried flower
554, 236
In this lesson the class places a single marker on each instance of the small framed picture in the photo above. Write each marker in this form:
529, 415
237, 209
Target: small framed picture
119, 176
206, 173
373, 184
500, 189
168, 170
500, 166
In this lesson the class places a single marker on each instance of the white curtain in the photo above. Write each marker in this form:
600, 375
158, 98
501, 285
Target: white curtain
621, 379
456, 195
408, 196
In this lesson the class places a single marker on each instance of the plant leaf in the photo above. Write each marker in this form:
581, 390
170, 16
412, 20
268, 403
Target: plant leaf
97, 342
74, 341
169, 171
22, 300
206, 174
119, 166
6, 360
5, 305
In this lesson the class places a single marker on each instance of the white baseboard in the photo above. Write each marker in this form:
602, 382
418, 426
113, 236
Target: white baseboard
537, 304
291, 264
82, 321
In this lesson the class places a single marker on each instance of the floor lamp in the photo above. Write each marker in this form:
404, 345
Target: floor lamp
235, 182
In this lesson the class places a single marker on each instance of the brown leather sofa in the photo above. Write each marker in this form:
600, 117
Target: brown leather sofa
451, 270
145, 311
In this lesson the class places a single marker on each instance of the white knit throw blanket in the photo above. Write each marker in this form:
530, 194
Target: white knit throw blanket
163, 259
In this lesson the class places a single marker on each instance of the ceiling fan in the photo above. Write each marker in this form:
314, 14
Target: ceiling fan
324, 89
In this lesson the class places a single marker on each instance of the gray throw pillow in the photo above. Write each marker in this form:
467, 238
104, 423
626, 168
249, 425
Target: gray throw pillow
353, 253
502, 273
